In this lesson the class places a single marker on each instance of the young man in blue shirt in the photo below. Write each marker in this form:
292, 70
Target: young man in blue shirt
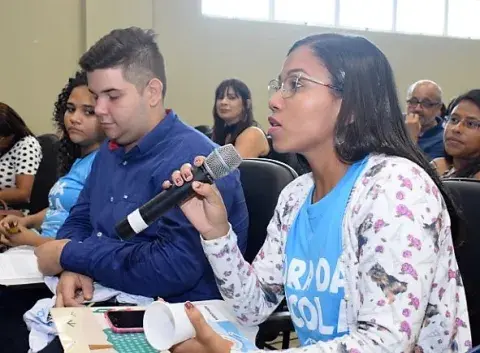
126, 74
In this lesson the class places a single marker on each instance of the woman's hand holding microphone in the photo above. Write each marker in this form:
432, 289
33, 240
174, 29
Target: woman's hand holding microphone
206, 210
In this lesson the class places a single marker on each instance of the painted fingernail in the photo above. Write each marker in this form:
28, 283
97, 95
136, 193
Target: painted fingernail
189, 306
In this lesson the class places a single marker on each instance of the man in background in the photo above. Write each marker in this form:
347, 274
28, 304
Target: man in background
424, 104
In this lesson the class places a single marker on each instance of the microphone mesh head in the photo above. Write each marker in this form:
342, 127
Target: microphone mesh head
222, 161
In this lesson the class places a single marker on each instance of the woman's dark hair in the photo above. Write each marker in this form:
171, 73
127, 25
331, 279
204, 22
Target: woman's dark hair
242, 91
12, 124
450, 106
69, 151
473, 167
370, 119
443, 111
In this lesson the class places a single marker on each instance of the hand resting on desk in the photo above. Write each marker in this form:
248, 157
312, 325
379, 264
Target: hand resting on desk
73, 290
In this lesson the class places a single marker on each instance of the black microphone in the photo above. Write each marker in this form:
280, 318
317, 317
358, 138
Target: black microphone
221, 162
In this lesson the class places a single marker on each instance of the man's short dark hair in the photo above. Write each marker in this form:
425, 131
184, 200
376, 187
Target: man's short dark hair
132, 49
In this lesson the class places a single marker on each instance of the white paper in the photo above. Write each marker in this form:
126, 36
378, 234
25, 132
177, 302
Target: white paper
19, 266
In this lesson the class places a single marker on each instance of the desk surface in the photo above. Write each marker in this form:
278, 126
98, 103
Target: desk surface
135, 342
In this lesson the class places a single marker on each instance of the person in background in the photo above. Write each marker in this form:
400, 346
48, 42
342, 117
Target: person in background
362, 247
20, 156
423, 120
462, 138
75, 120
234, 122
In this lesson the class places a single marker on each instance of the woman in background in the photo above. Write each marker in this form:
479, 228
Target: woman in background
462, 138
75, 120
362, 247
20, 156
234, 122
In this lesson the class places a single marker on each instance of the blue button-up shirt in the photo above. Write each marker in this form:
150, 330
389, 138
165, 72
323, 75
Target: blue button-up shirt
167, 259
431, 141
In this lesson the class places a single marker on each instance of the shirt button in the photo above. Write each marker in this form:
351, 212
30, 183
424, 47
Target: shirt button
111, 199
99, 234
125, 197
125, 163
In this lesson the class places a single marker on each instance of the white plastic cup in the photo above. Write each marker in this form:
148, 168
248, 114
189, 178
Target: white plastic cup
166, 324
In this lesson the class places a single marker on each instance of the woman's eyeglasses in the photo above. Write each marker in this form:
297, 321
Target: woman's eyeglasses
292, 83
472, 124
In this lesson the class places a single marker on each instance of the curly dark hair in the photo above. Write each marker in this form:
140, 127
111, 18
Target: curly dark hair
68, 150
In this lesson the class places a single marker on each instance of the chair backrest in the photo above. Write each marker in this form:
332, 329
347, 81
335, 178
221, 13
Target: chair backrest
262, 180
466, 194
205, 129
47, 173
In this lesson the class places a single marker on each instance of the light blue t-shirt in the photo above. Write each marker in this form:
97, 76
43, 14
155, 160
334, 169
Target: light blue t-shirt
64, 194
314, 285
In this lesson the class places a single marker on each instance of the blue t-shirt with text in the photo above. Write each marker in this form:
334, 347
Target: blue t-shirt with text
314, 285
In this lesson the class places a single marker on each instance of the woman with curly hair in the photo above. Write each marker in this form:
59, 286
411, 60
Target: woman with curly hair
74, 118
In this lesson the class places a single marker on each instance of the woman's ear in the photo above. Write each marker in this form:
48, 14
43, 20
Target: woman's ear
249, 104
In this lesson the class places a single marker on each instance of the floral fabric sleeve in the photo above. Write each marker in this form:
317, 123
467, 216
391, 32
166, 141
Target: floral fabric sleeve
253, 291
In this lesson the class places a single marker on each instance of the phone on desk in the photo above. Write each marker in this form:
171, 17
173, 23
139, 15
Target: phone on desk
125, 321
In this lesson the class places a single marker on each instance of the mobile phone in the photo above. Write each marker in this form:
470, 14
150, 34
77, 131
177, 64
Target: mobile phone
125, 321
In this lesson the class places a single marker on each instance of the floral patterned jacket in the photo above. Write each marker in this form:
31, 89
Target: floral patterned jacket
403, 289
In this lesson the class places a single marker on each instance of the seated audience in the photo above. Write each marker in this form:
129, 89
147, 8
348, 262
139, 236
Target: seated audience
362, 248
234, 122
126, 75
20, 156
462, 138
75, 120
424, 121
